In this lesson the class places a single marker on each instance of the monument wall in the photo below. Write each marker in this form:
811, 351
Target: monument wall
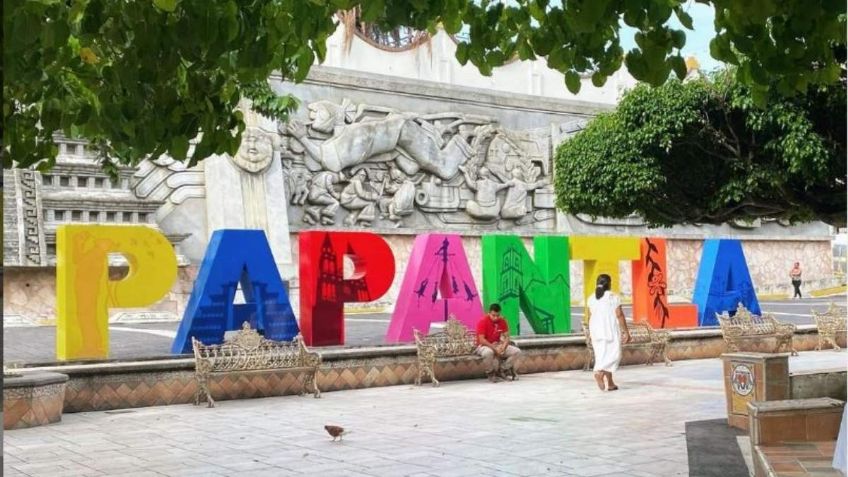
398, 157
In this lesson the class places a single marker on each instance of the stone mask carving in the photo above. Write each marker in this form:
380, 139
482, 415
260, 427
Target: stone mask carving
256, 150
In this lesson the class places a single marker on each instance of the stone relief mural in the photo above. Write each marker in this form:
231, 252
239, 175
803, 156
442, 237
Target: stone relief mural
168, 180
371, 166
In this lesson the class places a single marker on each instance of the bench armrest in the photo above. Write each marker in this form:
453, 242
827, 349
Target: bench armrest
312, 359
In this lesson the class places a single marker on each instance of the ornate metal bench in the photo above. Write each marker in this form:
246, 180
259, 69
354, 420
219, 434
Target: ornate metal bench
455, 341
745, 326
250, 351
642, 335
830, 323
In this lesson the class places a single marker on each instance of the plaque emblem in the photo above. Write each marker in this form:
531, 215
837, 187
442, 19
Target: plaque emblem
742, 379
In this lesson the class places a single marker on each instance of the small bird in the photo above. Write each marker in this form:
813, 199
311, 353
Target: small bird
335, 431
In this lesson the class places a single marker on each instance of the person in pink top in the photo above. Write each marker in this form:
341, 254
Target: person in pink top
795, 275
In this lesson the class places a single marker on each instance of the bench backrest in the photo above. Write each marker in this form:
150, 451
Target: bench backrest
248, 350
640, 332
834, 317
748, 322
454, 340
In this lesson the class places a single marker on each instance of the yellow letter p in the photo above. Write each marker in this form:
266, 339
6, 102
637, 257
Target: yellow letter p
84, 292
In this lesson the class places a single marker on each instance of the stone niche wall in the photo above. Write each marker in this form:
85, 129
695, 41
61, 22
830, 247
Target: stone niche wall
30, 292
30, 296
769, 262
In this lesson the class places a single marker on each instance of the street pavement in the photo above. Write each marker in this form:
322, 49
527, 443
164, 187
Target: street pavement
548, 424
33, 345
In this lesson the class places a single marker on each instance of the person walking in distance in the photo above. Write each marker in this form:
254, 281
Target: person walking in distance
795, 275
493, 345
606, 323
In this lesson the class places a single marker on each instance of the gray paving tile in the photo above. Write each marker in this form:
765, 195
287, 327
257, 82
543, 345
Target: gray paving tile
546, 424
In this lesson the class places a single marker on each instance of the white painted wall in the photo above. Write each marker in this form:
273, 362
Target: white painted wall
436, 61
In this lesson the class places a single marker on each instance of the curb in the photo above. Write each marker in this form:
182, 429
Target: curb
828, 291
773, 297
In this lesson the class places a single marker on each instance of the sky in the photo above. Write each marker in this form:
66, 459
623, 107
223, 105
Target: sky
697, 41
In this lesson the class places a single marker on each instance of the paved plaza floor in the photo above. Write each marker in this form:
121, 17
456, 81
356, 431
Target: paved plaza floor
37, 344
543, 424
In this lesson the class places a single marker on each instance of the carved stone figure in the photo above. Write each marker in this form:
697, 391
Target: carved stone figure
360, 199
402, 203
247, 191
298, 187
515, 203
255, 151
322, 194
353, 144
485, 204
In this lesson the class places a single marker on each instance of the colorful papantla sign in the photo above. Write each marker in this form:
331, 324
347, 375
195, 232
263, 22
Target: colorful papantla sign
438, 283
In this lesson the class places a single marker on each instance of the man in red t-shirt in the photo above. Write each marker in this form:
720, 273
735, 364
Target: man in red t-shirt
493, 345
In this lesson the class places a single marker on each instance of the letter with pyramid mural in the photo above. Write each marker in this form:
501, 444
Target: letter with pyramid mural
437, 283
723, 281
236, 259
540, 289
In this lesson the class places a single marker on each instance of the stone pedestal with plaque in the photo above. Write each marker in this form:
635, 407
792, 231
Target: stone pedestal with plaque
753, 377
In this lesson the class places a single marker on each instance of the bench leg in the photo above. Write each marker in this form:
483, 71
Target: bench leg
209, 401
426, 368
431, 370
310, 384
828, 339
203, 390
786, 342
652, 356
590, 358
312, 381
665, 354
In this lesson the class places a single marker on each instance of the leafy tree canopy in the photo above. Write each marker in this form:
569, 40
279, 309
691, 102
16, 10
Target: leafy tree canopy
145, 77
700, 151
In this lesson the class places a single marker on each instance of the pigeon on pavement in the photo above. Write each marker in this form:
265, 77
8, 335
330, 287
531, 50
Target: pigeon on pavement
335, 431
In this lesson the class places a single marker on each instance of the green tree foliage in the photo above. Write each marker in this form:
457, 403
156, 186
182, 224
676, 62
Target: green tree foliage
701, 151
146, 77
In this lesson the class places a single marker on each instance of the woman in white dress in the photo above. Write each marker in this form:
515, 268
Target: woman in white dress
606, 320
